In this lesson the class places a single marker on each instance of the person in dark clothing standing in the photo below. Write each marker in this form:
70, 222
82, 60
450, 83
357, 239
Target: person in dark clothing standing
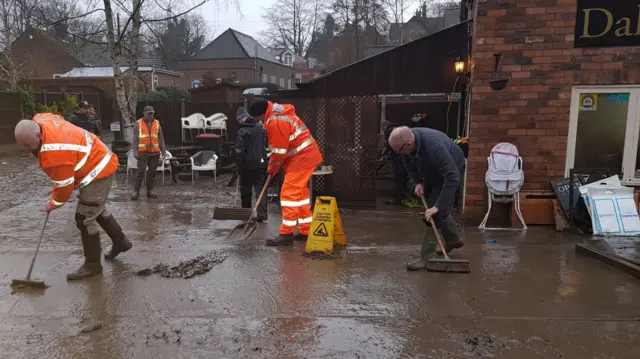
83, 118
399, 172
251, 160
435, 163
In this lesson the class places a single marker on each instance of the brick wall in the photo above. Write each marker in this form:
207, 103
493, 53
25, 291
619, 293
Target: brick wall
535, 38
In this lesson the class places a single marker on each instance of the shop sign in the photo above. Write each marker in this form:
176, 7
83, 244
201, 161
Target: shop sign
588, 102
606, 23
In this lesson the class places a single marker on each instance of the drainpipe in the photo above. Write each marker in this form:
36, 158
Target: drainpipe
153, 83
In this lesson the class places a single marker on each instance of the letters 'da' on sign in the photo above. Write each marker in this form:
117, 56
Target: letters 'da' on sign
607, 23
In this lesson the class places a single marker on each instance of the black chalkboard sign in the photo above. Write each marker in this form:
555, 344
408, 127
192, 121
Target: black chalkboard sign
561, 188
601, 23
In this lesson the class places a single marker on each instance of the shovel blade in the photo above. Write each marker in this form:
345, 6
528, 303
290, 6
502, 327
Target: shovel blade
239, 232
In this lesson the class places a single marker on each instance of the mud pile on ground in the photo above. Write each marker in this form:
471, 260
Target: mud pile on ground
186, 269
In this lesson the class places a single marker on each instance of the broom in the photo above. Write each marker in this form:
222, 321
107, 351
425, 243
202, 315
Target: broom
28, 282
445, 264
233, 214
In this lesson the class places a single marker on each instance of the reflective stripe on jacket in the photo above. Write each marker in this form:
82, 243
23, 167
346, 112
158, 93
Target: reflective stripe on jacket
290, 141
148, 140
71, 156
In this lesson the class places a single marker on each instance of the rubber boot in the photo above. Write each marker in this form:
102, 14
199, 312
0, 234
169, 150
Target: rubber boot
120, 242
135, 196
427, 251
151, 195
92, 265
301, 237
281, 240
450, 235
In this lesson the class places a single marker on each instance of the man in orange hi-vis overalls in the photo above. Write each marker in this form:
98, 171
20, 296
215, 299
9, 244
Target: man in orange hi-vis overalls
293, 149
73, 157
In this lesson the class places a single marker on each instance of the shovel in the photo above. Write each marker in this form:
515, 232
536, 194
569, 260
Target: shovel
246, 229
28, 282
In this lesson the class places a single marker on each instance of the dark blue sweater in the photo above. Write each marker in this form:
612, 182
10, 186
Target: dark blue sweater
436, 159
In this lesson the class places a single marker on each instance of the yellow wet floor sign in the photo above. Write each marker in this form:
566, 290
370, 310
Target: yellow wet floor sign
326, 227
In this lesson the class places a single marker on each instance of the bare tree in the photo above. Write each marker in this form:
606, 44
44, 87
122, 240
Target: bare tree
292, 23
123, 41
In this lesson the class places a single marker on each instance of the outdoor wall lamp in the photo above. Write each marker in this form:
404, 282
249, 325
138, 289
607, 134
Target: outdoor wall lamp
459, 66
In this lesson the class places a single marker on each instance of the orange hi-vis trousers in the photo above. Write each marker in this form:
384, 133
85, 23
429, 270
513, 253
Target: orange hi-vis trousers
295, 202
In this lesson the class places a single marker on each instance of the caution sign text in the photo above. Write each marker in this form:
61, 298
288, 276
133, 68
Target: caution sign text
326, 227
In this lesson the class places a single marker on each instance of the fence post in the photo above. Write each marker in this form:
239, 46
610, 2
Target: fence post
183, 110
44, 97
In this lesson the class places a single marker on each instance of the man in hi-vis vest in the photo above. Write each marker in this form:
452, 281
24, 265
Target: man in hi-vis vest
148, 146
76, 158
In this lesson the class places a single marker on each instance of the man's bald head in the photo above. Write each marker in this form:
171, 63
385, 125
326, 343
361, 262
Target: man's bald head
402, 140
28, 135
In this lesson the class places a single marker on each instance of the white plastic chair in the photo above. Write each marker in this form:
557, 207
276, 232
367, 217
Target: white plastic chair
209, 165
217, 121
194, 121
164, 165
132, 164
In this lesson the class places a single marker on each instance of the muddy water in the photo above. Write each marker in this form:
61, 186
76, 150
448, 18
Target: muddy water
528, 296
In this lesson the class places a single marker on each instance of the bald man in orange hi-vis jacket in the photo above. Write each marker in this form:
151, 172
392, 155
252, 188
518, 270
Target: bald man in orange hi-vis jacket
75, 158
294, 150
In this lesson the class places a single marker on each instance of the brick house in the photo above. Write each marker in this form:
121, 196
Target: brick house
38, 54
303, 69
561, 85
234, 56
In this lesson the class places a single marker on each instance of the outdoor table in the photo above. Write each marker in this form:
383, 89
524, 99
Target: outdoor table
182, 150
179, 165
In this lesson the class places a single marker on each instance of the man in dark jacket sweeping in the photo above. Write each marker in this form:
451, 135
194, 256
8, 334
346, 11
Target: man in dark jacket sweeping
435, 163
251, 160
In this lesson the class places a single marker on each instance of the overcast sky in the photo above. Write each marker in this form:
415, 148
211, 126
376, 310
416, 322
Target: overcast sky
221, 17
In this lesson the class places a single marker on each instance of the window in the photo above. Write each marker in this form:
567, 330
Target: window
289, 85
273, 80
288, 59
299, 76
604, 127
264, 79
195, 84
281, 82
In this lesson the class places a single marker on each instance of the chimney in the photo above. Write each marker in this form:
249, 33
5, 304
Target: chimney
424, 10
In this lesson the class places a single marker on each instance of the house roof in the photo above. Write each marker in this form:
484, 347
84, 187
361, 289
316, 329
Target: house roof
233, 44
279, 51
91, 54
107, 71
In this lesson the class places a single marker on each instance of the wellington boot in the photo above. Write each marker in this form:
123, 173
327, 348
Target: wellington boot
120, 242
301, 237
151, 195
281, 240
92, 265
135, 196
450, 235
427, 250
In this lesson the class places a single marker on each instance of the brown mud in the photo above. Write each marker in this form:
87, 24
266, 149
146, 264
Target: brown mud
529, 296
186, 269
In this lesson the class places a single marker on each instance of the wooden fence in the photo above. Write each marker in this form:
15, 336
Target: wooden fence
10, 114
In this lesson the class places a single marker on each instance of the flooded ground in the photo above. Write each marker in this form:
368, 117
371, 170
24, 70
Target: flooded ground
528, 296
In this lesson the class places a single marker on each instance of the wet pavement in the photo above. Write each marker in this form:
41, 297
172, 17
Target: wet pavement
528, 296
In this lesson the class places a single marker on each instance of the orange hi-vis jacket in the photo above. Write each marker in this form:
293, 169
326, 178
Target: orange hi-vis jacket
71, 156
290, 142
148, 138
